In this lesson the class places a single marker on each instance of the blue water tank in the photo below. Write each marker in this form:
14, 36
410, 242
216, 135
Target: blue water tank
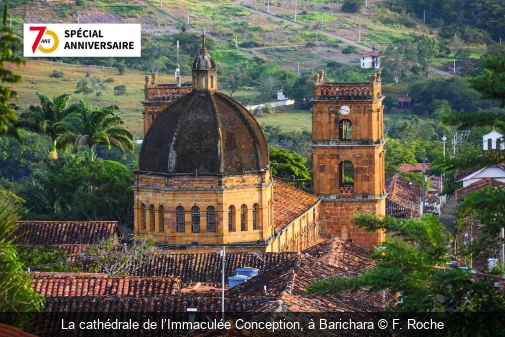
236, 280
247, 271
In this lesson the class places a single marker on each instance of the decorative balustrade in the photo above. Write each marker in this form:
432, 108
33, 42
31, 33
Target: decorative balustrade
346, 192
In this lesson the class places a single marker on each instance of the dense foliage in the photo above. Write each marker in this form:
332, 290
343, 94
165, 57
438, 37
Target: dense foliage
9, 46
17, 296
473, 20
287, 164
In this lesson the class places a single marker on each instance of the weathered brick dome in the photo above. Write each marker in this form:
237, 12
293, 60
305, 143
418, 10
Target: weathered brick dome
206, 133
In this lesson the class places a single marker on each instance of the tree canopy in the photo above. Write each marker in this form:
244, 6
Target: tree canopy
10, 45
91, 127
287, 164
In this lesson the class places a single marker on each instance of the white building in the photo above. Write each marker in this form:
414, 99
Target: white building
493, 141
371, 60
490, 141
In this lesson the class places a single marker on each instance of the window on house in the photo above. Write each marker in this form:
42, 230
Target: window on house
243, 218
255, 216
345, 130
195, 219
211, 219
180, 219
231, 214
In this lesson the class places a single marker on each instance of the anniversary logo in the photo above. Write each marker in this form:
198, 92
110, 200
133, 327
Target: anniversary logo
82, 40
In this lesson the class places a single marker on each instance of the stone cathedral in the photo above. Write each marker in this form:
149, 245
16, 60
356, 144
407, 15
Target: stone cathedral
205, 181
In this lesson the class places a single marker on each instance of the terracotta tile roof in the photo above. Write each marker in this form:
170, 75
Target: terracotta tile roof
288, 282
64, 232
463, 174
82, 284
372, 53
345, 255
464, 191
403, 97
404, 198
206, 267
10, 331
290, 203
149, 305
414, 168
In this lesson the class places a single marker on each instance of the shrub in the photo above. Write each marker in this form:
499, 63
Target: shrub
81, 3
56, 74
352, 6
350, 50
121, 68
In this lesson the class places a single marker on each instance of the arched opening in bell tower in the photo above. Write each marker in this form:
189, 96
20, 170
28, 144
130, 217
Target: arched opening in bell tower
345, 130
346, 179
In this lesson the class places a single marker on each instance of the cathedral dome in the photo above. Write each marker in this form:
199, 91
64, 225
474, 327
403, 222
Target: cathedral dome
205, 133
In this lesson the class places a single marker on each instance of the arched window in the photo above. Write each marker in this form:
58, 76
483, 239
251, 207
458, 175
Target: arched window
255, 217
211, 219
231, 215
346, 174
345, 130
195, 219
151, 218
490, 144
161, 219
143, 221
212, 82
179, 218
243, 218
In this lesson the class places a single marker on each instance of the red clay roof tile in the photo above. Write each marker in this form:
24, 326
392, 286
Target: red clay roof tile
290, 203
480, 184
64, 232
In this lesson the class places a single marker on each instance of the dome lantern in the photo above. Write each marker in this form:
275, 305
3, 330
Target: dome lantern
204, 70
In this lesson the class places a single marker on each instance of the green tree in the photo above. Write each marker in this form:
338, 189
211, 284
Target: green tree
98, 126
108, 257
42, 119
46, 258
412, 264
394, 62
288, 164
234, 81
350, 50
397, 154
120, 90
84, 87
491, 84
17, 297
352, 6
56, 74
302, 91
121, 68
9, 47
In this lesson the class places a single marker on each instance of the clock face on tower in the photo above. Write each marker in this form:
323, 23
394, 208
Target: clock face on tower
344, 110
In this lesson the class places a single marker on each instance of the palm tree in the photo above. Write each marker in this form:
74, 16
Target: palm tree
86, 126
42, 119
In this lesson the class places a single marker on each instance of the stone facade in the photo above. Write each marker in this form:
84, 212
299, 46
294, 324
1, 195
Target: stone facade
348, 155
191, 202
158, 198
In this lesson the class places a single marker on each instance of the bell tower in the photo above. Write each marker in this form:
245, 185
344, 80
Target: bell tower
348, 155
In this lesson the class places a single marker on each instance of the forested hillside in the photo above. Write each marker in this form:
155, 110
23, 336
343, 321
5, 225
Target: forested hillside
476, 21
